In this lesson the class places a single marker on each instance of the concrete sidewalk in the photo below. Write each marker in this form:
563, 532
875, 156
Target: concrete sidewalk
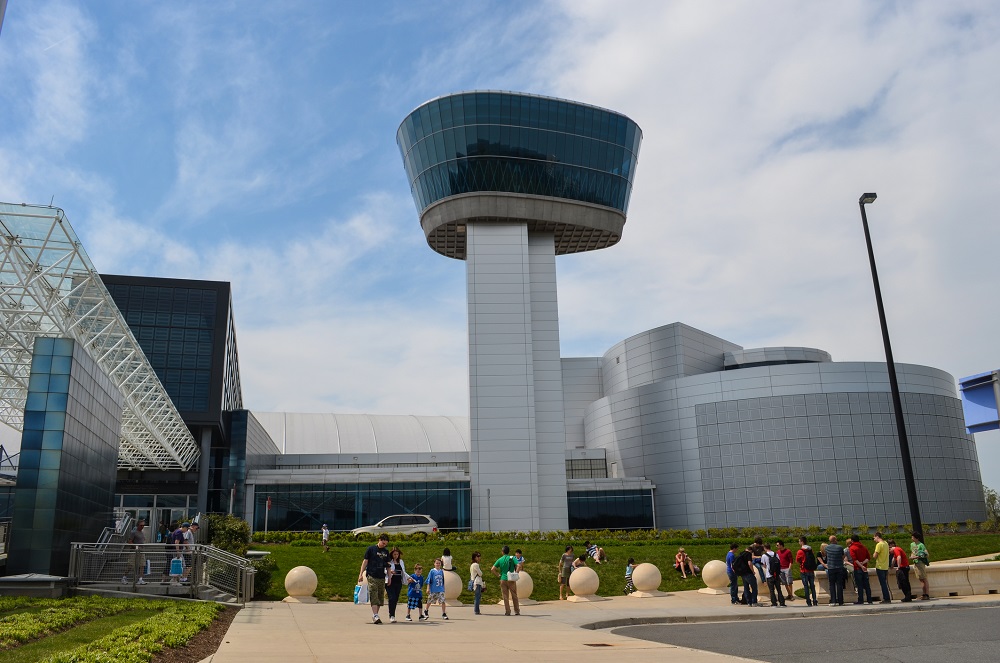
551, 631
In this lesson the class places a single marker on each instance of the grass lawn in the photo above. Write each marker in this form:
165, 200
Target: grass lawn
337, 570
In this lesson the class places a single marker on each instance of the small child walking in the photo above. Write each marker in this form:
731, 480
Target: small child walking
629, 587
414, 596
435, 589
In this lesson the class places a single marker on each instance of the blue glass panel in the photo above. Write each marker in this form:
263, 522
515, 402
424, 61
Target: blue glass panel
48, 479
61, 365
49, 459
36, 401
59, 383
28, 460
41, 363
62, 346
55, 421
52, 439
33, 420
38, 382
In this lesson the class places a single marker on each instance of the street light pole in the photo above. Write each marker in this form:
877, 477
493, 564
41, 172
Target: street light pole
897, 404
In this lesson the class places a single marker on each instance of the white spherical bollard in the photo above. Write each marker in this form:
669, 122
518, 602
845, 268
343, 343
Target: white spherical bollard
525, 585
452, 587
583, 582
300, 583
646, 577
715, 577
714, 574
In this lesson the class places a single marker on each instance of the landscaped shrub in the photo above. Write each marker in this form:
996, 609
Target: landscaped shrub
265, 567
229, 533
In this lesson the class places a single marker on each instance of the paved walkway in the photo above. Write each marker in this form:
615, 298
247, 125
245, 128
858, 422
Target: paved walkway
551, 631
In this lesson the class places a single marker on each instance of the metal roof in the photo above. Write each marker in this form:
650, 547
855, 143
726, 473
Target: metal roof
298, 433
48, 287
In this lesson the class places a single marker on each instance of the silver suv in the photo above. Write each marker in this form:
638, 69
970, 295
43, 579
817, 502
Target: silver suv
402, 524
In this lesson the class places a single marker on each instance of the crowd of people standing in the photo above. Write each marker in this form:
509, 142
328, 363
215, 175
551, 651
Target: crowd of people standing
853, 560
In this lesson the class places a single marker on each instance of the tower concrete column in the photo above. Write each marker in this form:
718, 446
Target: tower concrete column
515, 379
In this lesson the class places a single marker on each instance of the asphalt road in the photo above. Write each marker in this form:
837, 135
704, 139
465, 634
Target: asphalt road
931, 636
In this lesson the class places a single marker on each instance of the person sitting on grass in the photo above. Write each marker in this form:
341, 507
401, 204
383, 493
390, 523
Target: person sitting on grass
595, 552
580, 561
684, 564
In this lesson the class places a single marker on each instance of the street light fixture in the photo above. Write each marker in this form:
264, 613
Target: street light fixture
897, 404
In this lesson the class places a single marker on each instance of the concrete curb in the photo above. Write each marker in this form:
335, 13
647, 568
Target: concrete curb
784, 614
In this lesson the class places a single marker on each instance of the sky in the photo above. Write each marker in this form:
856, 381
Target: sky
255, 143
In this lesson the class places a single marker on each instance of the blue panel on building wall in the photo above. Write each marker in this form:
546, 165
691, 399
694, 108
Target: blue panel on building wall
979, 402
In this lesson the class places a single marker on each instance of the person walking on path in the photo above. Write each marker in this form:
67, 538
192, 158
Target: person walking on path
919, 559
902, 570
785, 557
414, 594
565, 568
861, 556
807, 570
435, 590
881, 559
394, 582
476, 574
772, 572
138, 538
734, 583
508, 588
835, 571
374, 566
325, 534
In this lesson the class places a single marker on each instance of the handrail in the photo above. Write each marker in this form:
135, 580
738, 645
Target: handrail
193, 570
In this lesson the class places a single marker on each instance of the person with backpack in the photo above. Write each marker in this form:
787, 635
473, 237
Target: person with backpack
919, 561
772, 573
743, 566
806, 560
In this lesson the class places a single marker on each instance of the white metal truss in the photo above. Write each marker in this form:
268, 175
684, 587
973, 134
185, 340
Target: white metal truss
48, 287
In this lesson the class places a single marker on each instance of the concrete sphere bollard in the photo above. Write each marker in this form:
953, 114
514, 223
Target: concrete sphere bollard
300, 583
714, 575
646, 577
525, 585
584, 581
452, 586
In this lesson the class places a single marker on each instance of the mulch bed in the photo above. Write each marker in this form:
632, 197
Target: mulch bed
202, 645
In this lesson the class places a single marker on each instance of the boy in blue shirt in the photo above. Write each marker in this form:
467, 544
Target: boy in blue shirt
415, 597
629, 586
435, 589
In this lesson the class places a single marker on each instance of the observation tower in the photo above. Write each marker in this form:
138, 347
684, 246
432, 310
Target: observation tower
507, 181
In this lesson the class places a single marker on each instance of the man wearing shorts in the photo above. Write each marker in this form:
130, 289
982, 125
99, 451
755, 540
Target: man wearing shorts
918, 562
785, 557
565, 568
374, 565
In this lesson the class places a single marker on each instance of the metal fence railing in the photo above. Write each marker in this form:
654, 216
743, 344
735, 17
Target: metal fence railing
196, 569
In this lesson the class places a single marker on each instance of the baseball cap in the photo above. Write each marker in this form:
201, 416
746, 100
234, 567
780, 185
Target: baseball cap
185, 524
